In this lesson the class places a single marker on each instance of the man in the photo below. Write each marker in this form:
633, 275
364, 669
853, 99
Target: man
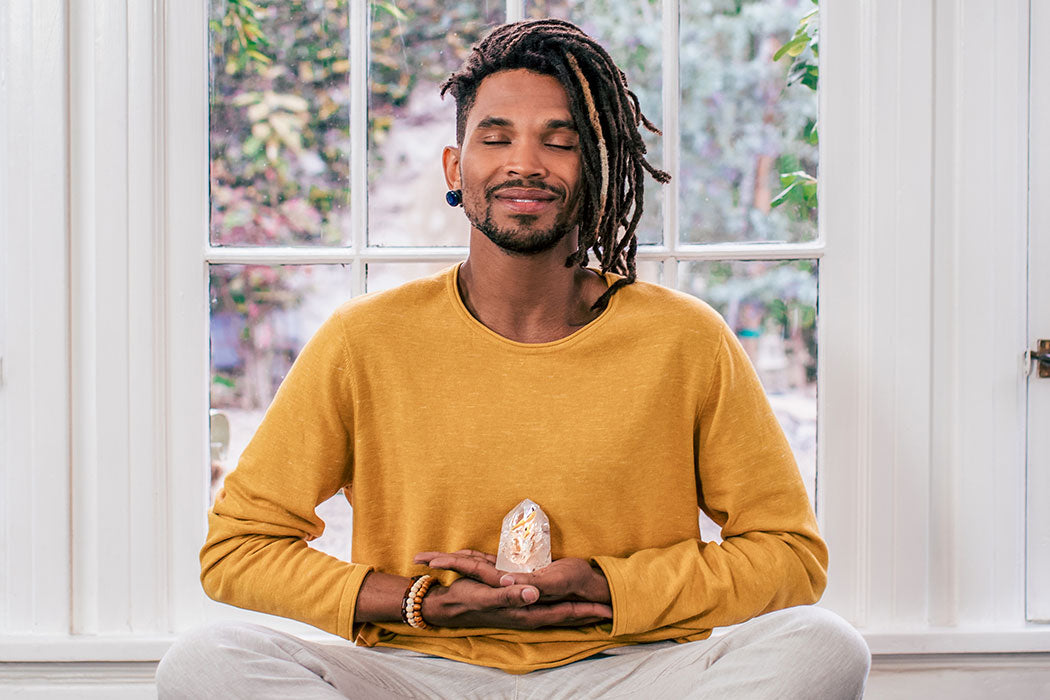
616, 405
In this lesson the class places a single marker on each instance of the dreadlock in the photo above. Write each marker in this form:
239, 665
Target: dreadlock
612, 150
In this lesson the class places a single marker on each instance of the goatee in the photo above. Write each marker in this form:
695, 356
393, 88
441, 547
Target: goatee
523, 239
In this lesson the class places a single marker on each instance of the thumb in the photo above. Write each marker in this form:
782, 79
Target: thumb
517, 596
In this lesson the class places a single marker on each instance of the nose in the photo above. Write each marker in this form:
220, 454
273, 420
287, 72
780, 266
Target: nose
525, 160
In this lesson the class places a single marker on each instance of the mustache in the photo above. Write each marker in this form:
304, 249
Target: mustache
529, 184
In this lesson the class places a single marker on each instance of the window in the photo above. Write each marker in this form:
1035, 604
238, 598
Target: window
288, 182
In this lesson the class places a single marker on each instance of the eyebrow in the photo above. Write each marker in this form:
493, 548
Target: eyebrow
560, 124
489, 122
494, 122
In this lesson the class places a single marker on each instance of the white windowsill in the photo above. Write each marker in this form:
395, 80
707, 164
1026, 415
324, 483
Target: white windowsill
1035, 639
883, 643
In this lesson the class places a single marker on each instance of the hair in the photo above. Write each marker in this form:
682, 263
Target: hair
607, 116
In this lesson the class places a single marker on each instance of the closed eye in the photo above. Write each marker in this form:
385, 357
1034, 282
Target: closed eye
561, 146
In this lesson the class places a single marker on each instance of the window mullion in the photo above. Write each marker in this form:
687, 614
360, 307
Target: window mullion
311, 255
748, 251
671, 138
515, 10
359, 39
336, 256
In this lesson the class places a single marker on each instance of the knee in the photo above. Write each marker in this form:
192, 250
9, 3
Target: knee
832, 643
197, 655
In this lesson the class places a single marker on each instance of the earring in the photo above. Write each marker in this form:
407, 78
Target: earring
454, 198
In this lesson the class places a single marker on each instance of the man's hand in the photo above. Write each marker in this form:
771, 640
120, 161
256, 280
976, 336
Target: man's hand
569, 592
470, 603
565, 579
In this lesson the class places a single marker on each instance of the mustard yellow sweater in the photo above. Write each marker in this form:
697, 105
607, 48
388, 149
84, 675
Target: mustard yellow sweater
436, 427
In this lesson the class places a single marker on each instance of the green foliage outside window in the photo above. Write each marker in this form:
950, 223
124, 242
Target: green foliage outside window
800, 188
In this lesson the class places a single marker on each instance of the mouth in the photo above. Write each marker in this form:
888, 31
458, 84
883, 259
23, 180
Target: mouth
525, 200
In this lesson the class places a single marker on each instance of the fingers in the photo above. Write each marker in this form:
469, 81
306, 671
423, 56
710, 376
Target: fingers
490, 558
478, 568
549, 597
472, 596
579, 610
553, 583
568, 578
469, 603
563, 614
514, 596
511, 579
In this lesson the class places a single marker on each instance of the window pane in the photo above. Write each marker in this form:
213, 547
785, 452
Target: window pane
415, 44
382, 276
772, 307
743, 128
630, 30
279, 122
261, 317
649, 271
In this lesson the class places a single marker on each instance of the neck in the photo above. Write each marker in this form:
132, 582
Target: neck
528, 298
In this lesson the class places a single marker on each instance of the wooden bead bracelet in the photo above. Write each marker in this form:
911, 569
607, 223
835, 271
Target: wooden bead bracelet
412, 603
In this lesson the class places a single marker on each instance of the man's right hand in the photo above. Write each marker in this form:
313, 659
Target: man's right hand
470, 603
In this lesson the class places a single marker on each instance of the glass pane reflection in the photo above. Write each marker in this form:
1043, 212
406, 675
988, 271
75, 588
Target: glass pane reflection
382, 276
742, 125
279, 123
415, 44
261, 316
772, 307
650, 271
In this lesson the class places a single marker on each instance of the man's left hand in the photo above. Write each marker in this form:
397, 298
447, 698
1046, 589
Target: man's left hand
570, 578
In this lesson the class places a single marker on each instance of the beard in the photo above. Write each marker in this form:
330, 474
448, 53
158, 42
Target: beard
524, 238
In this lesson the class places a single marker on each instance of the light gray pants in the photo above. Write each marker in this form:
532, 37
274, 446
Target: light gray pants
803, 652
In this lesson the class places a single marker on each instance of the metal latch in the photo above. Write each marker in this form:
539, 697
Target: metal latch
1041, 356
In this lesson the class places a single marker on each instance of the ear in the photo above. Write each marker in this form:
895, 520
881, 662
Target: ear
450, 163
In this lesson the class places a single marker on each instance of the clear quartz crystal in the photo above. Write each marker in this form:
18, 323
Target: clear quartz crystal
525, 539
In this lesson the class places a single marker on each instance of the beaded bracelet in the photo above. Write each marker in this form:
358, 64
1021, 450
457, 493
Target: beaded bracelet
412, 603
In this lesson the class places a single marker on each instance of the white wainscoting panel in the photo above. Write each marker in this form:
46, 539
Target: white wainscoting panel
119, 562
34, 386
844, 438
186, 218
978, 273
876, 175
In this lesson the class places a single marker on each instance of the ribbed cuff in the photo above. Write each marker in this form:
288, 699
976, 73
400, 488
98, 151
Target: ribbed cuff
621, 623
348, 600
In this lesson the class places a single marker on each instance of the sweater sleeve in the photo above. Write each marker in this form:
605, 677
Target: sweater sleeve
771, 556
256, 555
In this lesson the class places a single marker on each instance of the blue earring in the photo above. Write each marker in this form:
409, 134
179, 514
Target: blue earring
454, 197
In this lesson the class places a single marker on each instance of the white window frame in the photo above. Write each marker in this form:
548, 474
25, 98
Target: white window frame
104, 456
358, 254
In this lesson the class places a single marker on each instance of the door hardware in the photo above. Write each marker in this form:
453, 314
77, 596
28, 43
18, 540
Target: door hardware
1041, 356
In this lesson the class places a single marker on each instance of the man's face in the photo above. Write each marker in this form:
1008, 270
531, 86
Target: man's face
519, 164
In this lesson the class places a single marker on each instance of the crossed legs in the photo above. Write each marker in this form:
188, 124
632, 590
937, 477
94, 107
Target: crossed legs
802, 652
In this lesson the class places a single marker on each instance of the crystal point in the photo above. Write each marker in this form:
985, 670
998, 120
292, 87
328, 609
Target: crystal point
525, 539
